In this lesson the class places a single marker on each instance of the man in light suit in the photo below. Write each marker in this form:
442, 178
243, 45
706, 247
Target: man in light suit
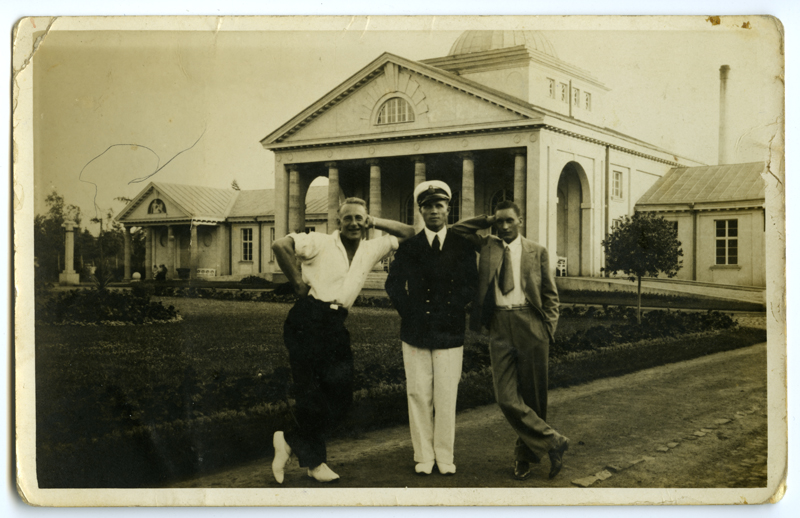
517, 300
432, 279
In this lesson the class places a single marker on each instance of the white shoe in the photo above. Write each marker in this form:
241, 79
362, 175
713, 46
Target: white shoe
323, 473
282, 454
446, 469
424, 468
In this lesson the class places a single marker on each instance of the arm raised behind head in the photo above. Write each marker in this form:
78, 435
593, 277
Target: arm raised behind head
468, 229
400, 230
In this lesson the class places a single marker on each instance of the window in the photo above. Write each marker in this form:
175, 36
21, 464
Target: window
552, 88
588, 101
576, 97
674, 226
616, 188
455, 209
727, 241
615, 224
395, 110
564, 93
247, 244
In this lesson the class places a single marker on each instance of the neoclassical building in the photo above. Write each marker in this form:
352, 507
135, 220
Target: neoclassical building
499, 117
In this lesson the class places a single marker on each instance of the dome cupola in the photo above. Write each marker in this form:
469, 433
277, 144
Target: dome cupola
481, 41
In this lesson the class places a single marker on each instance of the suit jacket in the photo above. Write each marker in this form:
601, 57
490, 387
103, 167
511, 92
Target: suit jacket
430, 290
536, 277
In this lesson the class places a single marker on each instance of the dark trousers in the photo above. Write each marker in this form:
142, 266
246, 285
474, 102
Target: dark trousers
519, 347
322, 371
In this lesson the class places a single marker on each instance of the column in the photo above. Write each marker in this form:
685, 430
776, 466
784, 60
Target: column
281, 200
148, 253
193, 251
520, 194
171, 253
69, 276
374, 193
126, 241
295, 201
537, 227
333, 195
420, 175
467, 185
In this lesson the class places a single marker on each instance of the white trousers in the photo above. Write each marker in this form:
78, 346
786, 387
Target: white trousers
432, 378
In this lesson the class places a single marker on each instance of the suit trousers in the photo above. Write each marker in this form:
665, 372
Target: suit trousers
519, 347
322, 372
432, 377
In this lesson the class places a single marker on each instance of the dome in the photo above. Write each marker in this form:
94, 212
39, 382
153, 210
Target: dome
480, 41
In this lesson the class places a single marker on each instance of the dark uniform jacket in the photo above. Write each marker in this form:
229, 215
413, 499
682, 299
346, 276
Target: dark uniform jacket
430, 290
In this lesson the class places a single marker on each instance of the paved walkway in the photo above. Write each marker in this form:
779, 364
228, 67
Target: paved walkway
699, 423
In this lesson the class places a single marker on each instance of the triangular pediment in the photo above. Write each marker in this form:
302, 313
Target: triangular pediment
151, 205
437, 100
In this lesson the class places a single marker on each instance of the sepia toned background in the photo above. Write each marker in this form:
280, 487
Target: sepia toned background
170, 147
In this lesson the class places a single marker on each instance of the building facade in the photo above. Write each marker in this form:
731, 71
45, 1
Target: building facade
500, 117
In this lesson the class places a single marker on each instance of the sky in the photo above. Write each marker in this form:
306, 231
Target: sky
113, 107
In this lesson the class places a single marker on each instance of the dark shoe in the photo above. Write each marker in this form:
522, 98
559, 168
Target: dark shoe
557, 456
522, 469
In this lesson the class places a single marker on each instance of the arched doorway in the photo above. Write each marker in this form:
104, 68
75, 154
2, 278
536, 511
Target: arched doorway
573, 196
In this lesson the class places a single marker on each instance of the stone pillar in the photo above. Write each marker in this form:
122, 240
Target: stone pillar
171, 253
536, 201
281, 200
723, 114
420, 175
126, 241
333, 195
296, 202
193, 251
374, 193
467, 185
69, 276
520, 189
148, 253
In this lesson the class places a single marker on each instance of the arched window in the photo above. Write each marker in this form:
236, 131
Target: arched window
409, 209
455, 209
157, 207
395, 110
497, 197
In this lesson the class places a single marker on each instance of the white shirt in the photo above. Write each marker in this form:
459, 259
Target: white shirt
326, 269
515, 297
430, 235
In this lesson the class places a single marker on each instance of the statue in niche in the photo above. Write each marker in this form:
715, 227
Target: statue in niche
157, 207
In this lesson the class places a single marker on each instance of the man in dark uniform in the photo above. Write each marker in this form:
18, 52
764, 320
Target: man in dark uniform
433, 277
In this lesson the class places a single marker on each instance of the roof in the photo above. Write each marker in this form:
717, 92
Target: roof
480, 41
497, 97
718, 183
198, 201
261, 202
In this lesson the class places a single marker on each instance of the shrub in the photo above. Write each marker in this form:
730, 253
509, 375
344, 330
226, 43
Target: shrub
96, 306
255, 280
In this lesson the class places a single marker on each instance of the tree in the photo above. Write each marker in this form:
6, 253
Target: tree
644, 245
235, 185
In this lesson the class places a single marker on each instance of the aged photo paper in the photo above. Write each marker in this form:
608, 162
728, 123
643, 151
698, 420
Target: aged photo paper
159, 164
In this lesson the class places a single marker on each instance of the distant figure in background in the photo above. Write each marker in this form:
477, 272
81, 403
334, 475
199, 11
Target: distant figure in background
334, 269
432, 279
155, 271
518, 301
161, 275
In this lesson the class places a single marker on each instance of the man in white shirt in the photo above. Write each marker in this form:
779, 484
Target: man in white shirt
334, 269
518, 301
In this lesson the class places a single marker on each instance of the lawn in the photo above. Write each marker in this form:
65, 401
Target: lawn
218, 379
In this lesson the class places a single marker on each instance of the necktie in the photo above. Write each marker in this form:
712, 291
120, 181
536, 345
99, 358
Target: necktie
506, 273
435, 244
